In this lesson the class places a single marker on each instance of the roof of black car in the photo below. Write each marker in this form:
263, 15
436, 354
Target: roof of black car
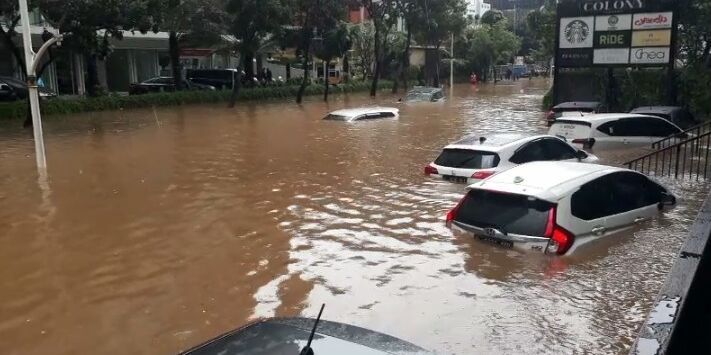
578, 104
656, 109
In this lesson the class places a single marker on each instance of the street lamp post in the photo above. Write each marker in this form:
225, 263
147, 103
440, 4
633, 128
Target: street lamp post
31, 62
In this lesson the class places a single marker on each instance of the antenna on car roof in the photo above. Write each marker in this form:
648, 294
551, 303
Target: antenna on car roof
307, 349
482, 140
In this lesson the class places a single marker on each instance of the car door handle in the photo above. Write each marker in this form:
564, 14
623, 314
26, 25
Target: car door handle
639, 219
599, 230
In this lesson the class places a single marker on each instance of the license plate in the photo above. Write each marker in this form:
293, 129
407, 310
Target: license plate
495, 241
459, 179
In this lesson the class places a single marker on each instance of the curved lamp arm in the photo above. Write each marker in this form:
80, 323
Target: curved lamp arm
42, 50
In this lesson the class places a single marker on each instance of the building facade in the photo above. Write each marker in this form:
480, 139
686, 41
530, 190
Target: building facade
477, 8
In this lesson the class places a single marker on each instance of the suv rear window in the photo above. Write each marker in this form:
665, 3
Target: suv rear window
467, 159
509, 213
570, 129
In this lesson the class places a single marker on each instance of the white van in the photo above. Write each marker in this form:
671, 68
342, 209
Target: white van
614, 130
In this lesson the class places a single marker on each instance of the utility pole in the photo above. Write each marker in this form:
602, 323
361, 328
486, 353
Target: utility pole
31, 62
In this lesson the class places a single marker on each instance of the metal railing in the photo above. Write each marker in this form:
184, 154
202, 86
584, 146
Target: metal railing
689, 132
686, 158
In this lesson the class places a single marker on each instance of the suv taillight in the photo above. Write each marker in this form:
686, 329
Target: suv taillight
431, 170
560, 239
452, 214
482, 174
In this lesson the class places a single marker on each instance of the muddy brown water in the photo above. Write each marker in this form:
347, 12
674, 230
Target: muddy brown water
159, 229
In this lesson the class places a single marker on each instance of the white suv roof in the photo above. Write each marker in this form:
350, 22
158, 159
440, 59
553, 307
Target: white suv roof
493, 142
352, 112
545, 180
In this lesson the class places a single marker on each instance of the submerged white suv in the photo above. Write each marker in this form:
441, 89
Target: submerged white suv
614, 130
555, 207
477, 157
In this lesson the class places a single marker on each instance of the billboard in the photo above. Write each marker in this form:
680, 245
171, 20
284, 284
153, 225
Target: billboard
615, 33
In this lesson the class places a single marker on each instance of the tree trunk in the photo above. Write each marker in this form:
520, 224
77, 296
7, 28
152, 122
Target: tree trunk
302, 88
404, 62
176, 68
92, 77
237, 83
248, 65
376, 74
288, 71
325, 80
306, 38
260, 64
9, 43
346, 69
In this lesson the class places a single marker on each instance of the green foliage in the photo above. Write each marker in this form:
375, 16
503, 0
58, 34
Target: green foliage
492, 17
362, 36
695, 89
17, 110
485, 46
540, 25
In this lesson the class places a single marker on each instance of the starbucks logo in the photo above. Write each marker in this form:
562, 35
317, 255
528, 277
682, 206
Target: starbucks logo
613, 20
576, 31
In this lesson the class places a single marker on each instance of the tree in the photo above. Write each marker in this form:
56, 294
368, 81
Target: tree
315, 16
492, 17
336, 43
383, 13
89, 25
540, 25
195, 20
442, 19
412, 14
487, 45
362, 36
251, 22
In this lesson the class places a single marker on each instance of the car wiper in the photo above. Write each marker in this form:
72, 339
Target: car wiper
307, 349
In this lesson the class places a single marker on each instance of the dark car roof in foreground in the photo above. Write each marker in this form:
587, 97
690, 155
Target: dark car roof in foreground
578, 104
657, 109
289, 335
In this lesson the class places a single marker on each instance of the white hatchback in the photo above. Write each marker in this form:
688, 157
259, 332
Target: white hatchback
475, 158
362, 113
556, 207
614, 130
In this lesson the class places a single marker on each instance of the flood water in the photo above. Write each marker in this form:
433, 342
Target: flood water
159, 229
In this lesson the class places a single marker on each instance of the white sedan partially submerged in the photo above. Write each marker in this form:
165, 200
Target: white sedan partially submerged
363, 113
556, 207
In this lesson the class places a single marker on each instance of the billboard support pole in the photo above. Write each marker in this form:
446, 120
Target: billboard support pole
671, 75
556, 81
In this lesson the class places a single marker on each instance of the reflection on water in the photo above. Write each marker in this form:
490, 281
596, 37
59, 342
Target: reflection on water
163, 228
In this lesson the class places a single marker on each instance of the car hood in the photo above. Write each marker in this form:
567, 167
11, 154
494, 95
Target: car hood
290, 335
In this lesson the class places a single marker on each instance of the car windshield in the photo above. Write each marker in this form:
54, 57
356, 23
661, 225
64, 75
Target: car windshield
467, 159
509, 213
335, 117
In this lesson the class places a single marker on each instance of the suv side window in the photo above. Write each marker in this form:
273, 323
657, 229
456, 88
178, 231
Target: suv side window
594, 200
660, 127
557, 150
532, 151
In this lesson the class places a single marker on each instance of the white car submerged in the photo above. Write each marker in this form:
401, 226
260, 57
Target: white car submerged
614, 130
363, 113
477, 157
556, 207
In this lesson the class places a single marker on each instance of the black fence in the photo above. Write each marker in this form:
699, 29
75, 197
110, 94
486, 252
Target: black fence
677, 157
690, 132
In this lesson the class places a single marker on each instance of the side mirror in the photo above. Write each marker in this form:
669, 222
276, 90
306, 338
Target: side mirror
667, 199
4, 88
580, 154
